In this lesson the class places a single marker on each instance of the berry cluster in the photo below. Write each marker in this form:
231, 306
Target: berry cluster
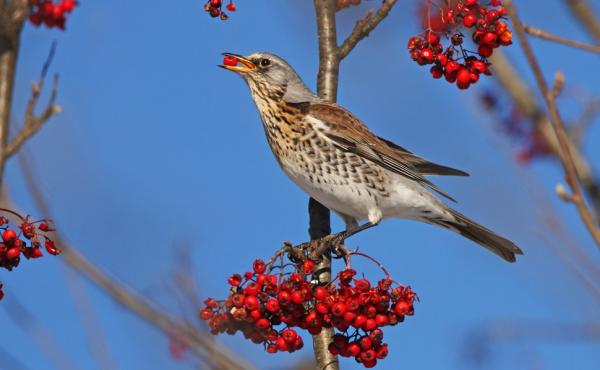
215, 8
51, 14
25, 240
454, 62
268, 308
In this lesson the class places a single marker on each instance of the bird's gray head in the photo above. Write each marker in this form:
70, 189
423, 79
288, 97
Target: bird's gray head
269, 77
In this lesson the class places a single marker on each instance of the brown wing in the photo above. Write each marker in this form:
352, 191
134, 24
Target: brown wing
351, 135
421, 164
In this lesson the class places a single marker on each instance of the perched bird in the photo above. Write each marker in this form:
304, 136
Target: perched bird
337, 160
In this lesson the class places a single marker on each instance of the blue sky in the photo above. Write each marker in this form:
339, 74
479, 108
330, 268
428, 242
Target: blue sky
156, 146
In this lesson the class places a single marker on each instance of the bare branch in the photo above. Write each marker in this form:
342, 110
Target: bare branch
365, 26
561, 40
566, 157
327, 83
33, 123
202, 345
525, 100
329, 62
583, 11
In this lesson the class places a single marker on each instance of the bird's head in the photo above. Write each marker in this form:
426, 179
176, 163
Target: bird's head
269, 77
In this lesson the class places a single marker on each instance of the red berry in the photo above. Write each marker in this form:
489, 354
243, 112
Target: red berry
338, 309
298, 297
370, 324
51, 248
234, 280
272, 348
363, 285
490, 38
359, 321
68, 5
382, 352
463, 77
426, 56
35, 19
368, 355
282, 345
9, 236
251, 302
272, 306
353, 349
492, 16
485, 51
13, 253
432, 38
262, 323
365, 343
214, 12
436, 72
231, 7
289, 335
308, 266
333, 349
321, 293
258, 265
284, 297
206, 314
469, 20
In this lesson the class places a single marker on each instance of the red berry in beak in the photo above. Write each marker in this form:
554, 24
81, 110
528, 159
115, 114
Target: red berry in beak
230, 61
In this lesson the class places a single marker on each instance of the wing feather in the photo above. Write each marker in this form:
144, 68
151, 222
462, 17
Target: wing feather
349, 134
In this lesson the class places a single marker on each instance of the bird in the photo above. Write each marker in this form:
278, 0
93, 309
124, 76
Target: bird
335, 158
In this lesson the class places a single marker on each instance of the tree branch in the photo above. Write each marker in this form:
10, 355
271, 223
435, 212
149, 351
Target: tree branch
319, 215
9, 49
557, 124
329, 62
525, 100
202, 345
582, 11
561, 40
33, 123
365, 26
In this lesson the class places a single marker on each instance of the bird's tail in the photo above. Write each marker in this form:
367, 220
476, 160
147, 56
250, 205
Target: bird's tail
481, 235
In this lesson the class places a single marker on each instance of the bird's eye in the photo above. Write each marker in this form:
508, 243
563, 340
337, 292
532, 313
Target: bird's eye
265, 62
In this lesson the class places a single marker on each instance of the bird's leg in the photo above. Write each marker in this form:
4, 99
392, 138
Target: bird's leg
348, 233
351, 222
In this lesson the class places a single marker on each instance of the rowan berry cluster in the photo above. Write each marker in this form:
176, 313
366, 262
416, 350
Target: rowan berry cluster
454, 62
50, 13
25, 240
270, 307
215, 8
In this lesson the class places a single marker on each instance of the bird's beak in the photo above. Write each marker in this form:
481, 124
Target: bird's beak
245, 65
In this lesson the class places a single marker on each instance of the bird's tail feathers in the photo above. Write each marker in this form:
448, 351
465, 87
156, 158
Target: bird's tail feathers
481, 235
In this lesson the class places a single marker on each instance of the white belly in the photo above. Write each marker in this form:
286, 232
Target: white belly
402, 197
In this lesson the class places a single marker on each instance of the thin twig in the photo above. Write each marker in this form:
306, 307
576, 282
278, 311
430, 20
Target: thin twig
533, 31
549, 97
32, 123
524, 98
364, 26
